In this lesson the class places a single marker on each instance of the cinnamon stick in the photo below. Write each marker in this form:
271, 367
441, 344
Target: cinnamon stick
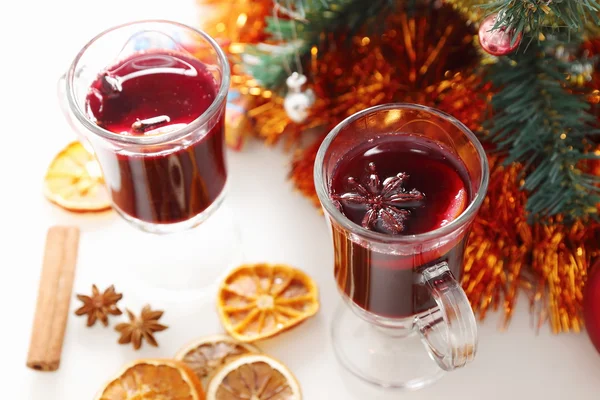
54, 297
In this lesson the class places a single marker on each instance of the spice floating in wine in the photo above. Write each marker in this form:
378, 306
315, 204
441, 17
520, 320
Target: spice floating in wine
379, 175
386, 203
150, 94
396, 185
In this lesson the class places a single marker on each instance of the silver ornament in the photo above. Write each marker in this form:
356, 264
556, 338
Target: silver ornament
298, 101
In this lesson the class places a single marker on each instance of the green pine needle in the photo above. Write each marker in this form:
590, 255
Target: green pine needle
540, 123
270, 65
537, 17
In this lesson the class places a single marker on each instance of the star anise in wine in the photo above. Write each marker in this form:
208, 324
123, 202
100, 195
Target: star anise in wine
140, 328
99, 306
386, 202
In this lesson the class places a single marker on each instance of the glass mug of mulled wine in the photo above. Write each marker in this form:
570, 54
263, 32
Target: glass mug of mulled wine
148, 99
400, 185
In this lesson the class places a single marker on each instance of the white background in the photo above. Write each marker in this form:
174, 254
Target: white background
39, 39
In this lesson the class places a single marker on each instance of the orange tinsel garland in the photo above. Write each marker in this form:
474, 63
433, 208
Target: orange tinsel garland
560, 259
414, 61
504, 253
499, 243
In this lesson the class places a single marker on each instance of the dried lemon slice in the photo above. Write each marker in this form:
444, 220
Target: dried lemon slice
207, 354
261, 300
256, 377
74, 181
154, 379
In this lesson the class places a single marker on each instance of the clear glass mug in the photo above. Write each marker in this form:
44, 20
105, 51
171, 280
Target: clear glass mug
166, 182
405, 319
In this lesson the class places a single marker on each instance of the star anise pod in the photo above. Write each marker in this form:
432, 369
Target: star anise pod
99, 306
140, 328
385, 202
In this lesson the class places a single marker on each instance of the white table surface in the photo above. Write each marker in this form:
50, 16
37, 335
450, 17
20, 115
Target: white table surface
39, 38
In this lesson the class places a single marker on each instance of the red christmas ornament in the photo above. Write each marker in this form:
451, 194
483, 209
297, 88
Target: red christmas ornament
591, 305
497, 42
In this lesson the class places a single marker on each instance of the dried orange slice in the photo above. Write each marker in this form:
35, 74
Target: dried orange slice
74, 181
256, 377
455, 207
261, 300
207, 354
153, 380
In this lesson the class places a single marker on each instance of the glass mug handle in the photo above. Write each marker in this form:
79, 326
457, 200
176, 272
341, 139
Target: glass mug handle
449, 331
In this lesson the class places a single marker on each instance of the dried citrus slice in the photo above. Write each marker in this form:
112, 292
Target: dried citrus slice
261, 300
74, 181
153, 380
207, 354
455, 207
256, 377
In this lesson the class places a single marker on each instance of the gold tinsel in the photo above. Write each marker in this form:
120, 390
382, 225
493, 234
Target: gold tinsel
235, 21
560, 260
499, 243
548, 260
423, 59
429, 61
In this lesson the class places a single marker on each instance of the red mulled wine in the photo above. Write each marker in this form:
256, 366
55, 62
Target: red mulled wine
396, 185
153, 93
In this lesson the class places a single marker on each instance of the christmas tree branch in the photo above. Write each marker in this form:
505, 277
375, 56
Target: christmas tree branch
543, 124
298, 25
536, 17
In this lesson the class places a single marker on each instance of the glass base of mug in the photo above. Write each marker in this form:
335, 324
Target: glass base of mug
389, 357
187, 263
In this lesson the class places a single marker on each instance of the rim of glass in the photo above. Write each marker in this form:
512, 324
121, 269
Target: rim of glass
323, 191
157, 139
